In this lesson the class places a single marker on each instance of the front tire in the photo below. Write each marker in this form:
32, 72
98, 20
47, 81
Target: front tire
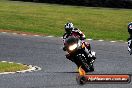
81, 80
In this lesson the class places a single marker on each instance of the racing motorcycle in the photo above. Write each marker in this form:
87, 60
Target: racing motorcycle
130, 46
76, 50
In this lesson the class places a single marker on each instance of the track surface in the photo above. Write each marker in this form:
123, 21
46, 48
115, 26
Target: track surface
58, 72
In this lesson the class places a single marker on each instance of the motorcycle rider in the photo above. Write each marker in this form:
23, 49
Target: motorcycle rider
69, 31
130, 38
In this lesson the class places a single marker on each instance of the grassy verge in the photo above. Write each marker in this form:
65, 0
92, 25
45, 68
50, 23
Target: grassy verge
11, 67
49, 19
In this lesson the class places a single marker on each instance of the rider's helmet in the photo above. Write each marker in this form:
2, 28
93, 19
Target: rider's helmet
68, 27
130, 27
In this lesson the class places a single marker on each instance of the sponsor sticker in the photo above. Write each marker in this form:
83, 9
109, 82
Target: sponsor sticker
104, 78
108, 78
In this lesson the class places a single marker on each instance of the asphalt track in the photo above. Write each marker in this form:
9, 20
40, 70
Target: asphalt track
58, 72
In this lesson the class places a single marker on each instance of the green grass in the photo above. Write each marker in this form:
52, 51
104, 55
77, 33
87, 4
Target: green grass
11, 67
49, 19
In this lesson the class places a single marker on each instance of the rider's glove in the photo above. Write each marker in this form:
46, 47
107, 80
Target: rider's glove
82, 38
69, 57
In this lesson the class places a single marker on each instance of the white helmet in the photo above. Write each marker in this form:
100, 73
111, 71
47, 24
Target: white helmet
130, 26
68, 27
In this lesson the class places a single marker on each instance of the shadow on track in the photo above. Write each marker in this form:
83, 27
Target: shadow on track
61, 72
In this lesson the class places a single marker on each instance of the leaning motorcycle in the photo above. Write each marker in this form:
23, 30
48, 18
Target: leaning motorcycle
130, 46
76, 50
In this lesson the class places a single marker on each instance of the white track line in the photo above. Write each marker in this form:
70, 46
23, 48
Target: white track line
112, 41
89, 39
14, 33
36, 35
31, 68
3, 61
49, 36
10, 62
24, 34
62, 37
100, 40
3, 32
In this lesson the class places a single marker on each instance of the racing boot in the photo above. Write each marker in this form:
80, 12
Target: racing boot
91, 55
